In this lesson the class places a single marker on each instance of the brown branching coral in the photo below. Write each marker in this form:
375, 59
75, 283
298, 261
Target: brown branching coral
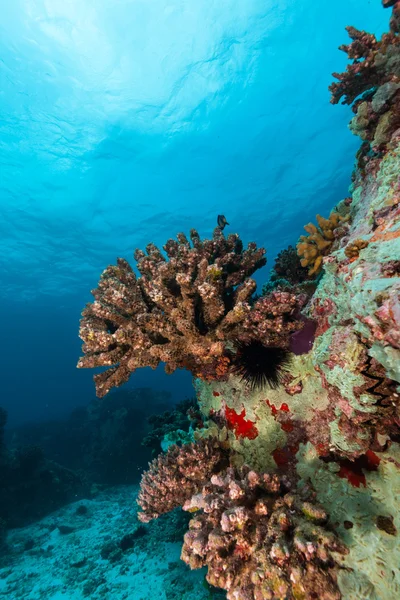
363, 74
174, 477
180, 311
259, 540
273, 319
318, 243
372, 82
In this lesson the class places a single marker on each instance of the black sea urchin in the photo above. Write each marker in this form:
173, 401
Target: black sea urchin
260, 365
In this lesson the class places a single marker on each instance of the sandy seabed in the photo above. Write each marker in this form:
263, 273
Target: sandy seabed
76, 553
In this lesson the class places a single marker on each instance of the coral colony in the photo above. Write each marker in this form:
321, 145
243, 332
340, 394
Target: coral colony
293, 473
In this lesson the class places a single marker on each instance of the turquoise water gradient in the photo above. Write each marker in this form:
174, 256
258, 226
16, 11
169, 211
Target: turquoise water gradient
126, 121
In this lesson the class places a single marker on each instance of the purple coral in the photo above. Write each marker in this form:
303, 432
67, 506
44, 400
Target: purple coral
174, 477
261, 541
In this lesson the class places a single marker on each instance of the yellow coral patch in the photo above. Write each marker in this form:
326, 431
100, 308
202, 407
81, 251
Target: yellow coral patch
313, 247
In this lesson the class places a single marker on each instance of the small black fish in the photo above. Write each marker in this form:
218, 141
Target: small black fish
222, 222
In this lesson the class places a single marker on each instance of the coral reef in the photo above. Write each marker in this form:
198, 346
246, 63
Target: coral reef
181, 311
320, 241
174, 477
371, 566
372, 83
335, 418
260, 540
32, 486
171, 421
287, 270
326, 428
102, 440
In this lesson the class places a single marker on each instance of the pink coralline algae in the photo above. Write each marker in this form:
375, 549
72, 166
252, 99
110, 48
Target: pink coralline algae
172, 478
261, 541
385, 323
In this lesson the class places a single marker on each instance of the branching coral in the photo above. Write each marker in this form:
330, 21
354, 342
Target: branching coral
372, 82
288, 266
273, 319
313, 247
187, 311
261, 541
180, 311
174, 477
364, 73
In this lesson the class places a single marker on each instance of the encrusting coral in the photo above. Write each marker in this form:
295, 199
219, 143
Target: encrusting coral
319, 242
172, 478
183, 311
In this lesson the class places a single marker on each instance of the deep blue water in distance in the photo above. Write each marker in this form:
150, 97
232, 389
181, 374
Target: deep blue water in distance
126, 122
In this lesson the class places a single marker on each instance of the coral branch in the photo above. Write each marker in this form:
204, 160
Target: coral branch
372, 82
175, 476
273, 319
